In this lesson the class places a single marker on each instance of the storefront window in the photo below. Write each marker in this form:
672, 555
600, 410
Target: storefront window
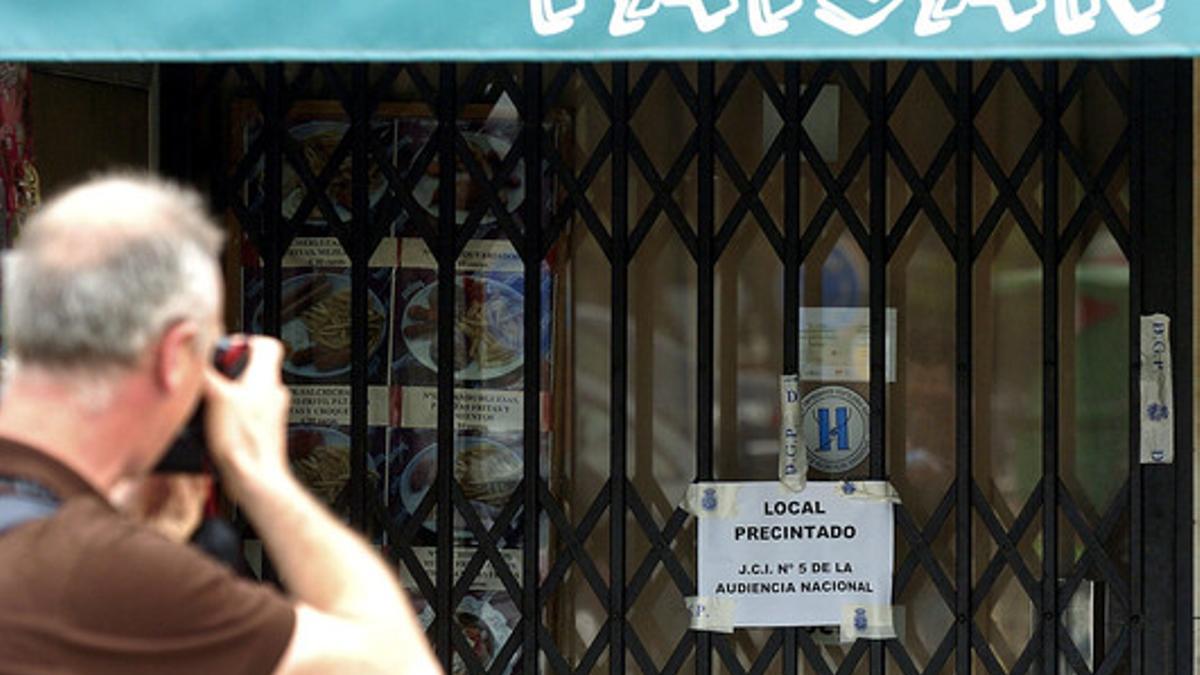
670, 201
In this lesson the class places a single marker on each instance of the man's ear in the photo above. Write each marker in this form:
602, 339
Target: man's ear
176, 354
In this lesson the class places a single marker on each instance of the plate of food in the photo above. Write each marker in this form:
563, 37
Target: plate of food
487, 471
318, 141
320, 459
489, 152
315, 324
489, 328
485, 628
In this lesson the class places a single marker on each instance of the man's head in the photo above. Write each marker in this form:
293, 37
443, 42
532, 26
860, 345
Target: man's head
117, 281
103, 269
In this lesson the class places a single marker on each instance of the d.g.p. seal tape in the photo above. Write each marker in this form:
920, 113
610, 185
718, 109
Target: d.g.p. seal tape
1157, 391
793, 458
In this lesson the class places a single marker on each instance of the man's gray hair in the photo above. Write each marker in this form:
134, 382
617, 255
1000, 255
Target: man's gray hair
100, 271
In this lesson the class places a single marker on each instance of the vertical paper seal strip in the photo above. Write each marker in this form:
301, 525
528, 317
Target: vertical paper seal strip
711, 614
869, 622
1157, 404
793, 461
711, 500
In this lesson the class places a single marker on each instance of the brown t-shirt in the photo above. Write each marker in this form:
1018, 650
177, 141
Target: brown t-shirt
89, 591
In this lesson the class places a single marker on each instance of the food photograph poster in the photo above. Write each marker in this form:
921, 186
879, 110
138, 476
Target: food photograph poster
403, 292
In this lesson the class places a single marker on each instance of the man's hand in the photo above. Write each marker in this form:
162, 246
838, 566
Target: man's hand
246, 422
171, 504
351, 614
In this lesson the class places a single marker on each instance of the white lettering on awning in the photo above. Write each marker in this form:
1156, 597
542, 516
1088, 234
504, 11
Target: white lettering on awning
853, 17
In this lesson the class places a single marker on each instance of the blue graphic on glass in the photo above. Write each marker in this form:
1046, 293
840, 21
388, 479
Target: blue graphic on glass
841, 430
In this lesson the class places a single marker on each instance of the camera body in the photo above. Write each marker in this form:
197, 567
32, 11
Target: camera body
189, 452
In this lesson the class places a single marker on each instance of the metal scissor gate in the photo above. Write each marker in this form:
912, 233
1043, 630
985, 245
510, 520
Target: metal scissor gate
1008, 209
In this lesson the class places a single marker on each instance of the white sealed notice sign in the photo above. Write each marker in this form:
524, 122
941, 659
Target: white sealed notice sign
782, 558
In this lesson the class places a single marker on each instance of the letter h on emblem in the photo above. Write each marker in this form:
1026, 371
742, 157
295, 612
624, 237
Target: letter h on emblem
841, 430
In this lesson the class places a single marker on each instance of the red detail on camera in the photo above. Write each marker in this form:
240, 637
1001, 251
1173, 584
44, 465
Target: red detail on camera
231, 355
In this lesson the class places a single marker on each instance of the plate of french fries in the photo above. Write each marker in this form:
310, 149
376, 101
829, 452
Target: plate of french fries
489, 327
488, 154
487, 471
320, 459
318, 142
315, 324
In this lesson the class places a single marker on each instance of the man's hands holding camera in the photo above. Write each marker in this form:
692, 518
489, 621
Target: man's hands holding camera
244, 418
246, 423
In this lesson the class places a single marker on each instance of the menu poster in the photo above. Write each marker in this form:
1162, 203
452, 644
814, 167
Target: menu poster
488, 468
488, 137
487, 620
315, 329
489, 377
315, 322
489, 318
317, 151
402, 360
491, 410
320, 459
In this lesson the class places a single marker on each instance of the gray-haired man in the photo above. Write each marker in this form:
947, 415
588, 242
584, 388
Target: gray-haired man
112, 302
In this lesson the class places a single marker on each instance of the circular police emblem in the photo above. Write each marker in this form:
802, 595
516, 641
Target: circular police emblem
835, 429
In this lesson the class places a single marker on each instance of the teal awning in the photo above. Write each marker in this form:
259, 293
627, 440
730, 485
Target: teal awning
519, 30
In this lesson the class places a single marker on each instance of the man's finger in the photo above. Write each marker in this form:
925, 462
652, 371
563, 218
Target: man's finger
266, 359
215, 382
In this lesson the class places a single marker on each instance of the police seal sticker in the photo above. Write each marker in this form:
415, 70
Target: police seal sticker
835, 421
867, 622
711, 500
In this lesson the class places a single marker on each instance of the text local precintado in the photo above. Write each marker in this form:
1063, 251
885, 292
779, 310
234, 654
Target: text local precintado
793, 558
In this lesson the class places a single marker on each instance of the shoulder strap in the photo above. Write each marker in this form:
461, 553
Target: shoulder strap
22, 501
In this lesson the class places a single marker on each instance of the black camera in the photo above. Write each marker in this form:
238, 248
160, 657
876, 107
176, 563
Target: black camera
189, 452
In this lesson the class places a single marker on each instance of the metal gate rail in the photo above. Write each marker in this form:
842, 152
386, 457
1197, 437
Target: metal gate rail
1147, 524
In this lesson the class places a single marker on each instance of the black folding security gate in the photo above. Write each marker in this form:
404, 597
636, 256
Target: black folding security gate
1133, 550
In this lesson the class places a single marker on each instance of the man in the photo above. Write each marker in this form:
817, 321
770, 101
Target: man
112, 307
